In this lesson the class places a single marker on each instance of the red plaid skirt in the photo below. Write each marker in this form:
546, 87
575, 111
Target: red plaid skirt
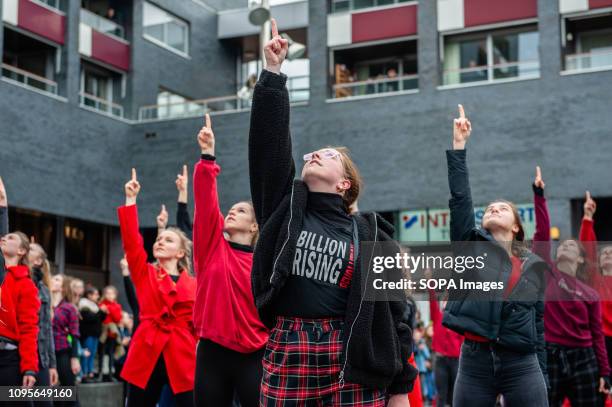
301, 365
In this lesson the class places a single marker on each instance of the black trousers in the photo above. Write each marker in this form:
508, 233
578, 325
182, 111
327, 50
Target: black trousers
66, 377
445, 374
149, 396
220, 372
42, 380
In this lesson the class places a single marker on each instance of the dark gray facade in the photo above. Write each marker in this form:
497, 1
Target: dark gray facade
59, 158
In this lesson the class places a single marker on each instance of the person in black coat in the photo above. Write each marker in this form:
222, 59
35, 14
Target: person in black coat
3, 225
363, 346
90, 327
504, 351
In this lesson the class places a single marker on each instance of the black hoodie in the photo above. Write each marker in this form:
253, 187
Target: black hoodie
376, 353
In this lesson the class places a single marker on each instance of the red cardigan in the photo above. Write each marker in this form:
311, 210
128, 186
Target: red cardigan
19, 315
445, 341
114, 312
224, 310
166, 309
603, 284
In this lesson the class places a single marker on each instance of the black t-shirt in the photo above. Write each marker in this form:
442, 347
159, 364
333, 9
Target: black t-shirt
317, 286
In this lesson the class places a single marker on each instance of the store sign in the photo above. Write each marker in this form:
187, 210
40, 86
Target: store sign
433, 225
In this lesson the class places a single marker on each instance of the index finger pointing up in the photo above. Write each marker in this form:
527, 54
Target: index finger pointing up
274, 27
588, 195
134, 177
461, 112
184, 170
538, 172
208, 122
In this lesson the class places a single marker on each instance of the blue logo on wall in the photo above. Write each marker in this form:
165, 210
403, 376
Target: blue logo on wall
409, 221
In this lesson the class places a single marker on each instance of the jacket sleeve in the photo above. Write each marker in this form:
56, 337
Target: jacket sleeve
599, 343
28, 306
115, 312
183, 220
404, 381
73, 330
434, 308
461, 207
271, 165
51, 348
541, 344
130, 293
589, 241
133, 245
541, 239
208, 219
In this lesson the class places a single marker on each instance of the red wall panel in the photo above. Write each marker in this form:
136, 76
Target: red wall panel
479, 12
42, 21
383, 24
600, 3
109, 50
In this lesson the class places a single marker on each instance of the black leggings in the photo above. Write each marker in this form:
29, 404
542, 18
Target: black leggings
65, 375
149, 397
10, 374
221, 371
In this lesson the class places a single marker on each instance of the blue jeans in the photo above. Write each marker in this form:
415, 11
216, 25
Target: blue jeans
485, 371
87, 363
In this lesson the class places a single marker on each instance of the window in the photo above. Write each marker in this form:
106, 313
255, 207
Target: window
375, 69
41, 226
173, 105
163, 28
85, 243
588, 43
491, 56
98, 87
339, 6
28, 61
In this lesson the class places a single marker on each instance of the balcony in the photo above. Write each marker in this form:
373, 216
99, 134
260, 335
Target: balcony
492, 73
103, 40
588, 43
101, 105
590, 61
376, 86
29, 80
37, 17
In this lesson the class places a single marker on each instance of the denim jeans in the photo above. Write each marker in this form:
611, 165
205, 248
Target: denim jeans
486, 371
87, 363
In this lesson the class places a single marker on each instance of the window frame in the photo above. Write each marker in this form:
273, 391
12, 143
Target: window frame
579, 16
164, 44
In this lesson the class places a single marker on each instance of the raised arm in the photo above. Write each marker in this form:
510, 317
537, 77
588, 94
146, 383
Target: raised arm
183, 220
208, 220
589, 238
133, 244
128, 285
162, 219
4, 226
271, 166
460, 204
541, 238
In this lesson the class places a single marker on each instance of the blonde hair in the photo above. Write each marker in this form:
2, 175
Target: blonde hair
25, 245
351, 172
184, 264
256, 234
46, 266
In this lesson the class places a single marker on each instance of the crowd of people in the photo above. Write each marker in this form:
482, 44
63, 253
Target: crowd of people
266, 305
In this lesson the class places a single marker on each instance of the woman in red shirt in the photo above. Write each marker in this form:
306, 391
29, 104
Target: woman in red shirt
163, 349
232, 337
18, 315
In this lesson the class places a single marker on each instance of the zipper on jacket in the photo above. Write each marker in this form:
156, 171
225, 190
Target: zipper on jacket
348, 340
288, 232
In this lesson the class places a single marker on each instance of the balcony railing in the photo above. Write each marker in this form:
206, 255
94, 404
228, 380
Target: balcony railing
589, 60
492, 73
339, 6
298, 88
376, 86
101, 105
101, 24
29, 79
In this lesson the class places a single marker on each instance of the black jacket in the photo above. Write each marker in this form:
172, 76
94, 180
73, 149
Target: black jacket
91, 323
183, 220
46, 343
3, 231
377, 352
130, 293
517, 322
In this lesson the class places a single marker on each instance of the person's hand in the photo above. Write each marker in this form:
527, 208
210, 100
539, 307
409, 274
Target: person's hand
589, 206
182, 181
125, 341
275, 50
86, 352
604, 385
162, 219
132, 188
3, 197
398, 400
461, 130
53, 376
538, 181
28, 381
206, 138
104, 308
75, 365
123, 265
